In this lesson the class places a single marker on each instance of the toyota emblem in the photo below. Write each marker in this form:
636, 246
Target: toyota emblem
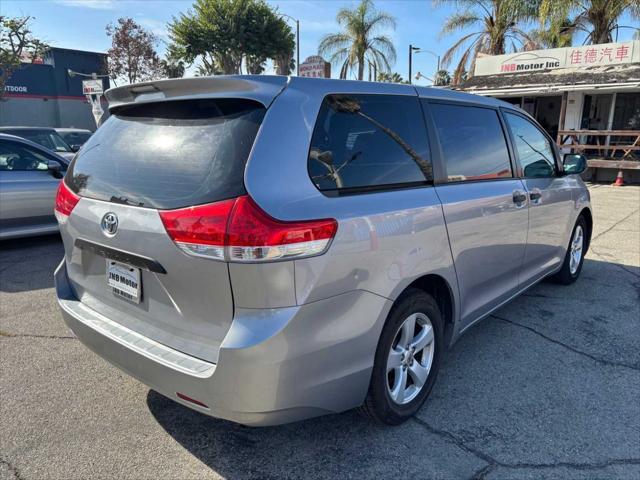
109, 224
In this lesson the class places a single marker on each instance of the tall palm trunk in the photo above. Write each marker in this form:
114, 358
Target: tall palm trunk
361, 68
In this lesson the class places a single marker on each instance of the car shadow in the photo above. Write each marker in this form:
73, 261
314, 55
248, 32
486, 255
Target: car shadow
28, 263
235, 451
347, 444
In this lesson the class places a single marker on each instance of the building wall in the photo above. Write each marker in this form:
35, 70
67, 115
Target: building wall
44, 95
29, 112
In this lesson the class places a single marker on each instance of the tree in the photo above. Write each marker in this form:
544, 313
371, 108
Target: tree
360, 41
495, 30
597, 18
220, 34
547, 36
132, 54
442, 78
16, 44
172, 65
391, 78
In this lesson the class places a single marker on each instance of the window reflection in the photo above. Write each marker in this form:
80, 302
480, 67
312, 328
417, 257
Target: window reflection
369, 141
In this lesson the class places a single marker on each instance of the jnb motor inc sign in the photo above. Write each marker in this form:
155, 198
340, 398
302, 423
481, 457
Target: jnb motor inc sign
315, 66
571, 57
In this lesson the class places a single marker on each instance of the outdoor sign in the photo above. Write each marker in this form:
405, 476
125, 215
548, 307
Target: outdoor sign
92, 87
570, 57
315, 66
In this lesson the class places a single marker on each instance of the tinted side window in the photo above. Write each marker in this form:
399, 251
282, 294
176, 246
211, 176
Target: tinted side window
15, 157
472, 141
532, 146
363, 141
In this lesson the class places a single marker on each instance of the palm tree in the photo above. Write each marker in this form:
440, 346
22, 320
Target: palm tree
495, 30
360, 41
442, 78
597, 18
390, 78
558, 36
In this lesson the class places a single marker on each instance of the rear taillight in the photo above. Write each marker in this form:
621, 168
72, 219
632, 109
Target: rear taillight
66, 200
239, 231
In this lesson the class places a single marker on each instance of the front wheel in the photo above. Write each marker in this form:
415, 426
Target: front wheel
574, 258
407, 359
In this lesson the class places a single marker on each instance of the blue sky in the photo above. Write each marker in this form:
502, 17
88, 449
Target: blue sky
80, 23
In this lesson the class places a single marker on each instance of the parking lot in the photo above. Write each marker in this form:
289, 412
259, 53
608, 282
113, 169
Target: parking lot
547, 387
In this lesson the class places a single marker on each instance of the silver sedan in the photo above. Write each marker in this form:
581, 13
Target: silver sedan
29, 178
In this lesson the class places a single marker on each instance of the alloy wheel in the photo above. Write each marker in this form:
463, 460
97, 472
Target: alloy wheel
410, 358
576, 250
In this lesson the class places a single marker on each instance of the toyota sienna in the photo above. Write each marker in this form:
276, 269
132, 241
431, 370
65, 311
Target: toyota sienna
266, 249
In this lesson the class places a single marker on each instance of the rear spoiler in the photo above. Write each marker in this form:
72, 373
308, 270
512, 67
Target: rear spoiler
261, 88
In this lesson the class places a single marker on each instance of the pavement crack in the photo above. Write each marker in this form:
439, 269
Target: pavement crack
618, 265
482, 473
600, 360
29, 335
614, 225
457, 442
12, 468
492, 463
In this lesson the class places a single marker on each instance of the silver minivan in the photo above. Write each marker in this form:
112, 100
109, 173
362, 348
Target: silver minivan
267, 249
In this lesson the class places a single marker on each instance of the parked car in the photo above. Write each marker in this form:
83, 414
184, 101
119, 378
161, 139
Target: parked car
29, 178
74, 137
265, 250
47, 137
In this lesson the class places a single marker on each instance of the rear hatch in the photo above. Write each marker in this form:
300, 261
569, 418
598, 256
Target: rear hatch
146, 159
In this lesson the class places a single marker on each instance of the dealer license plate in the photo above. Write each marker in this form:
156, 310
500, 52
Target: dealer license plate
124, 281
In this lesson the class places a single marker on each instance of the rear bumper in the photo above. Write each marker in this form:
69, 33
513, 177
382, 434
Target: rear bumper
274, 366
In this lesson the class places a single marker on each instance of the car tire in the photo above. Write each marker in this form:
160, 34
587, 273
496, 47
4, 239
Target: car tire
383, 403
572, 266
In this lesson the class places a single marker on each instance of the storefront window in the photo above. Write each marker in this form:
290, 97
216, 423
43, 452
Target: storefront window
626, 115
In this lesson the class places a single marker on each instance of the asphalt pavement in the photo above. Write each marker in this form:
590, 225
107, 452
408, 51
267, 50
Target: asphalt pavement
547, 387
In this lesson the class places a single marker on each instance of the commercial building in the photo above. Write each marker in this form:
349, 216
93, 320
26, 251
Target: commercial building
42, 94
587, 98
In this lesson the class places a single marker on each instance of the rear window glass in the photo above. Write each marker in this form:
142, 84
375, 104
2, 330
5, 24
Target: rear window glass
75, 138
170, 154
369, 141
48, 139
472, 141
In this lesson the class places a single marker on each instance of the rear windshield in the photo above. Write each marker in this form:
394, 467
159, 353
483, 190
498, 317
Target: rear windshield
170, 154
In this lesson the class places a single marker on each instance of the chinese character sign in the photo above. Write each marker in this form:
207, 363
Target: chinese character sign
595, 55
571, 57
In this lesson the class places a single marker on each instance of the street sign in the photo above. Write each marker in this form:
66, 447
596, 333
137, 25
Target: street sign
315, 66
92, 87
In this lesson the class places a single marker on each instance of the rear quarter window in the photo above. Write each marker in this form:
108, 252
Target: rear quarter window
364, 142
169, 155
473, 144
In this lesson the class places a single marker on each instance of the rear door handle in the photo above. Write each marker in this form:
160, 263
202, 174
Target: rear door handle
535, 195
519, 197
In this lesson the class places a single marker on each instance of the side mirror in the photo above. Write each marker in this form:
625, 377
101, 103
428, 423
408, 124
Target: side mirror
75, 148
574, 163
55, 168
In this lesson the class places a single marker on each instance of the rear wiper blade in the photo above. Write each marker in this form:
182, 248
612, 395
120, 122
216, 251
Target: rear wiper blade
125, 201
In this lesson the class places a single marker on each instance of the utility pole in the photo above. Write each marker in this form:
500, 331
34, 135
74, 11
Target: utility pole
410, 57
297, 40
298, 47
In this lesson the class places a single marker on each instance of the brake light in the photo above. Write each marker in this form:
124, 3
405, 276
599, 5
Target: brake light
239, 231
66, 201
199, 230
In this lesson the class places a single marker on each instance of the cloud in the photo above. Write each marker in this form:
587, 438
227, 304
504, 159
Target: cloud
95, 4
157, 27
